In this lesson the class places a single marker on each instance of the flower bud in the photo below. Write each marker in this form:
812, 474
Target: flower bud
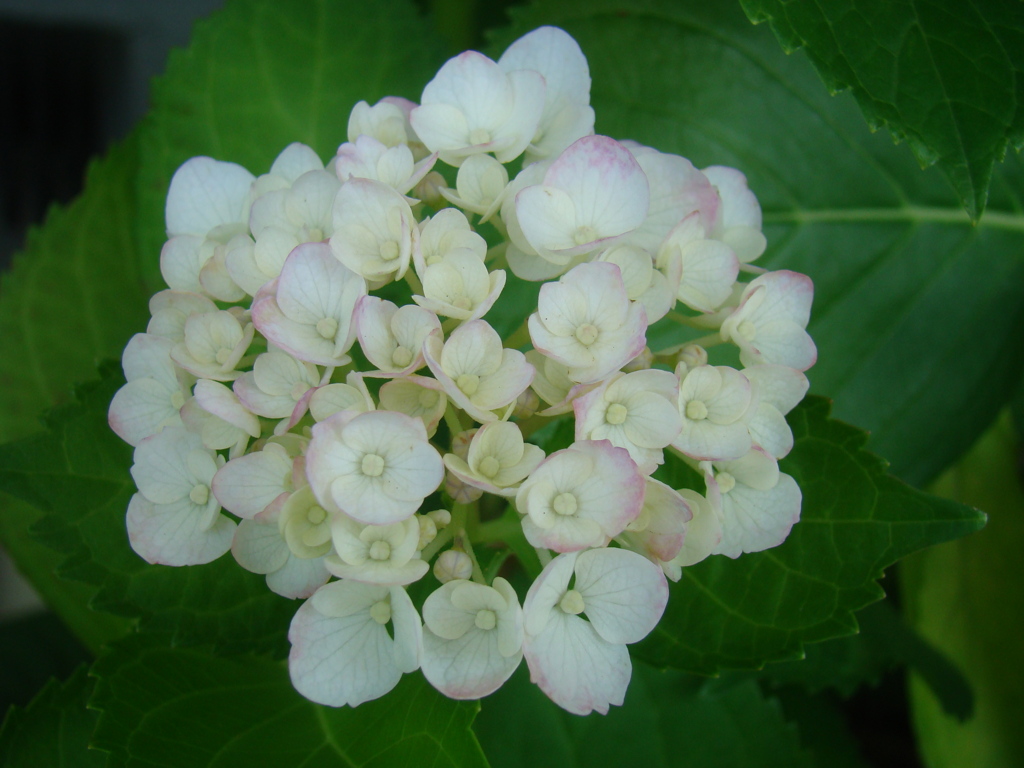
441, 517
691, 356
641, 362
428, 530
453, 564
461, 493
460, 443
526, 404
429, 190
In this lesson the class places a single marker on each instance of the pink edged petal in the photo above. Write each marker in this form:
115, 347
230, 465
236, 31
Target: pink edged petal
519, 128
213, 397
345, 660
607, 185
441, 126
159, 469
173, 534
204, 194
297, 579
782, 342
557, 56
468, 667
258, 547
249, 484
547, 216
140, 409
371, 573
505, 384
624, 593
769, 430
779, 385
706, 441
678, 189
408, 631
546, 592
579, 670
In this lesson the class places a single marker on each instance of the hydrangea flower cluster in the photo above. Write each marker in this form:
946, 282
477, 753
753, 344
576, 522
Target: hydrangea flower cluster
290, 403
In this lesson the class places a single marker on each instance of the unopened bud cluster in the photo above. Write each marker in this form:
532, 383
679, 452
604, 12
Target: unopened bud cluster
339, 442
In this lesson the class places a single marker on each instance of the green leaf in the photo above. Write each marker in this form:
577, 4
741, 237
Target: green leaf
946, 77
54, 730
918, 314
77, 473
824, 732
261, 74
856, 520
967, 598
668, 719
173, 707
73, 297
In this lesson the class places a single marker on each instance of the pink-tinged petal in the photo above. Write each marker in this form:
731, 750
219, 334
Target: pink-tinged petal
547, 216
624, 593
606, 184
545, 593
706, 441
782, 342
578, 670
474, 84
441, 126
259, 548
204, 194
757, 520
298, 578
159, 465
341, 661
213, 397
140, 409
517, 130
375, 573
678, 189
557, 56
249, 484
468, 667
174, 534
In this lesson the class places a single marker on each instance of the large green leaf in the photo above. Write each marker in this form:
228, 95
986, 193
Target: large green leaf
261, 74
77, 473
54, 730
967, 597
948, 77
184, 708
856, 520
918, 314
668, 719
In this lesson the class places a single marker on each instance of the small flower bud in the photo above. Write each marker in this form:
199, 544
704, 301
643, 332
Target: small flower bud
691, 356
460, 443
641, 362
429, 190
453, 564
461, 493
428, 530
441, 517
526, 404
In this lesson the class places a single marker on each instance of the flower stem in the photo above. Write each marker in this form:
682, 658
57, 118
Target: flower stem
520, 337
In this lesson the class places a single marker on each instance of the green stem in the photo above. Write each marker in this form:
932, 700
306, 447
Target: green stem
414, 282
452, 420
502, 529
520, 337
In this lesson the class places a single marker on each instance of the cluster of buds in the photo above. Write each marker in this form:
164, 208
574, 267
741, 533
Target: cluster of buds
284, 408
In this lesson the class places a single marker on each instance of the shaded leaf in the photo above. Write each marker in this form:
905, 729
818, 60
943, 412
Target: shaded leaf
946, 77
54, 730
176, 707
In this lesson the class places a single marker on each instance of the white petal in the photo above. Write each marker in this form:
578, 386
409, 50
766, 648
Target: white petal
624, 593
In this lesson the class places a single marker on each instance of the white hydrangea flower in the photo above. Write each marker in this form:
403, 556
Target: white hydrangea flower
473, 107
280, 221
392, 337
779, 390
475, 371
498, 459
376, 466
460, 287
702, 271
553, 385
677, 190
170, 310
293, 161
213, 345
586, 322
591, 196
250, 484
581, 496
760, 505
341, 651
207, 204
659, 531
304, 525
307, 311
415, 396
259, 547
276, 385
479, 186
155, 392
584, 666
334, 398
644, 283
716, 403
376, 554
567, 114
230, 423
738, 223
368, 158
446, 233
385, 121
636, 411
768, 325
703, 531
174, 519
375, 232
472, 638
